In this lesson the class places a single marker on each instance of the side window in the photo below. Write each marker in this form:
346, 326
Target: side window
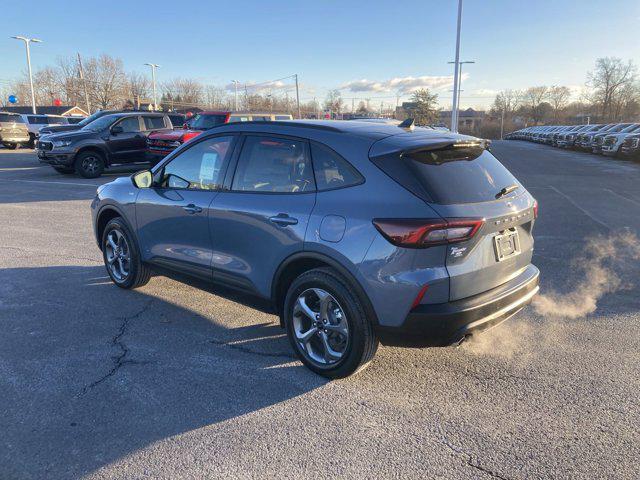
199, 167
332, 171
272, 164
237, 118
153, 123
129, 124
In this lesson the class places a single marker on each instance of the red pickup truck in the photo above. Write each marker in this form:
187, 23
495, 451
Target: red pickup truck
160, 144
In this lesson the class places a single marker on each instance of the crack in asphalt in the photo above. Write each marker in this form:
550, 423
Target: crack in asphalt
469, 458
116, 341
242, 348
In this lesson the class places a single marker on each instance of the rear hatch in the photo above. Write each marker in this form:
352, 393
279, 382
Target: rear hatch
462, 181
13, 126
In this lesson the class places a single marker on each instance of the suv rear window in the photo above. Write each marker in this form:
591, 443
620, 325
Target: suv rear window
460, 174
4, 117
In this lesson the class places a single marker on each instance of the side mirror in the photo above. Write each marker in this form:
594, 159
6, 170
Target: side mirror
143, 179
116, 130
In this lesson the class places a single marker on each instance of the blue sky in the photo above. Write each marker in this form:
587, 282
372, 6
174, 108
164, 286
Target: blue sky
333, 44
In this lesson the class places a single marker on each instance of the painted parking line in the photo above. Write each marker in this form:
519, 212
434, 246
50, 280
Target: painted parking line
51, 182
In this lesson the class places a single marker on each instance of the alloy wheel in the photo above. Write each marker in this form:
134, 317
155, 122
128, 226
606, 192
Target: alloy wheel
320, 327
90, 164
118, 255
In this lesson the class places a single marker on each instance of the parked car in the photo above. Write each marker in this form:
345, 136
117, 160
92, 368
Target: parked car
631, 146
598, 139
160, 144
584, 141
354, 232
569, 139
36, 122
111, 139
77, 126
612, 142
13, 130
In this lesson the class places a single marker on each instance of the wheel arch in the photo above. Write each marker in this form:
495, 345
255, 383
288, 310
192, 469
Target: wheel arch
105, 215
94, 148
300, 262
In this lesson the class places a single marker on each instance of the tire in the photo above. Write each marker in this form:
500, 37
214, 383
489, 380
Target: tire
32, 141
344, 310
64, 170
11, 146
137, 273
89, 164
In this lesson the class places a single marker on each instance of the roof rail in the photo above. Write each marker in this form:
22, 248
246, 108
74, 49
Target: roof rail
316, 126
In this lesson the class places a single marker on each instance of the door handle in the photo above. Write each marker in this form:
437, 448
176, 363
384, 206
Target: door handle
191, 208
283, 220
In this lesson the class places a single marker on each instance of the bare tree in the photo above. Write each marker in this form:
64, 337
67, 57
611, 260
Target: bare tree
558, 98
610, 81
534, 100
138, 88
506, 101
334, 102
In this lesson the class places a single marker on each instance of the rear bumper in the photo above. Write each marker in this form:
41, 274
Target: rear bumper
448, 323
11, 138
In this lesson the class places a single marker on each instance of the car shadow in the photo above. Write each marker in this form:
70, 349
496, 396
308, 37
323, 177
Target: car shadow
90, 373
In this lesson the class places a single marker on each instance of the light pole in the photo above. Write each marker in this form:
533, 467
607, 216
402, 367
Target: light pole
456, 72
460, 84
27, 41
235, 83
153, 81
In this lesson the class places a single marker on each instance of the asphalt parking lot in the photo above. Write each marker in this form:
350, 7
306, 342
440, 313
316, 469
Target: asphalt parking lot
177, 381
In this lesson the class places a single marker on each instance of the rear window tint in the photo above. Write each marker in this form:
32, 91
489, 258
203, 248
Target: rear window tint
446, 176
10, 118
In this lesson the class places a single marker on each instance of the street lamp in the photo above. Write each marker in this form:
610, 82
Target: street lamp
27, 41
153, 80
235, 83
457, 107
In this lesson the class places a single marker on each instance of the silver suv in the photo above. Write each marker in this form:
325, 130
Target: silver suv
354, 232
13, 131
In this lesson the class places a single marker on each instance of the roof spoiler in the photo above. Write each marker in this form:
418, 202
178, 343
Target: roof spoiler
408, 124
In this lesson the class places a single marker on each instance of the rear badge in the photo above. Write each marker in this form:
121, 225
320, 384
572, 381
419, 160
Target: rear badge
457, 251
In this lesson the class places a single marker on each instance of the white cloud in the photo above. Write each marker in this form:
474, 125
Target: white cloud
401, 85
261, 87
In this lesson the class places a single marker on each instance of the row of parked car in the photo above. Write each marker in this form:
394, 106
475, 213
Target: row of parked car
109, 138
23, 129
613, 139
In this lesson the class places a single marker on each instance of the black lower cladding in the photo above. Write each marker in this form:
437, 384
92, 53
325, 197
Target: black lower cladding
445, 324
63, 159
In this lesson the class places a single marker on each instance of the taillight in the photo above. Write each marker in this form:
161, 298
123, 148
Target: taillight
419, 233
535, 209
189, 135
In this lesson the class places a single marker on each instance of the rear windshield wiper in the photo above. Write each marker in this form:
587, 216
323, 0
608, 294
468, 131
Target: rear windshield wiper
506, 191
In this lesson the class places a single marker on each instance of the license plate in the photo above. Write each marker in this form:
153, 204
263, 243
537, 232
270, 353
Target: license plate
506, 245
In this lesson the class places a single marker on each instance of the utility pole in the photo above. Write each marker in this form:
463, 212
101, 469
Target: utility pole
27, 41
235, 83
456, 73
298, 97
153, 81
84, 81
502, 124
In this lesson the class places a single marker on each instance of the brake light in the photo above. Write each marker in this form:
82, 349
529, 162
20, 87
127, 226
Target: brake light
535, 209
189, 135
422, 233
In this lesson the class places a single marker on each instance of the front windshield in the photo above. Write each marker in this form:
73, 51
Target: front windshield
90, 119
100, 124
206, 121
